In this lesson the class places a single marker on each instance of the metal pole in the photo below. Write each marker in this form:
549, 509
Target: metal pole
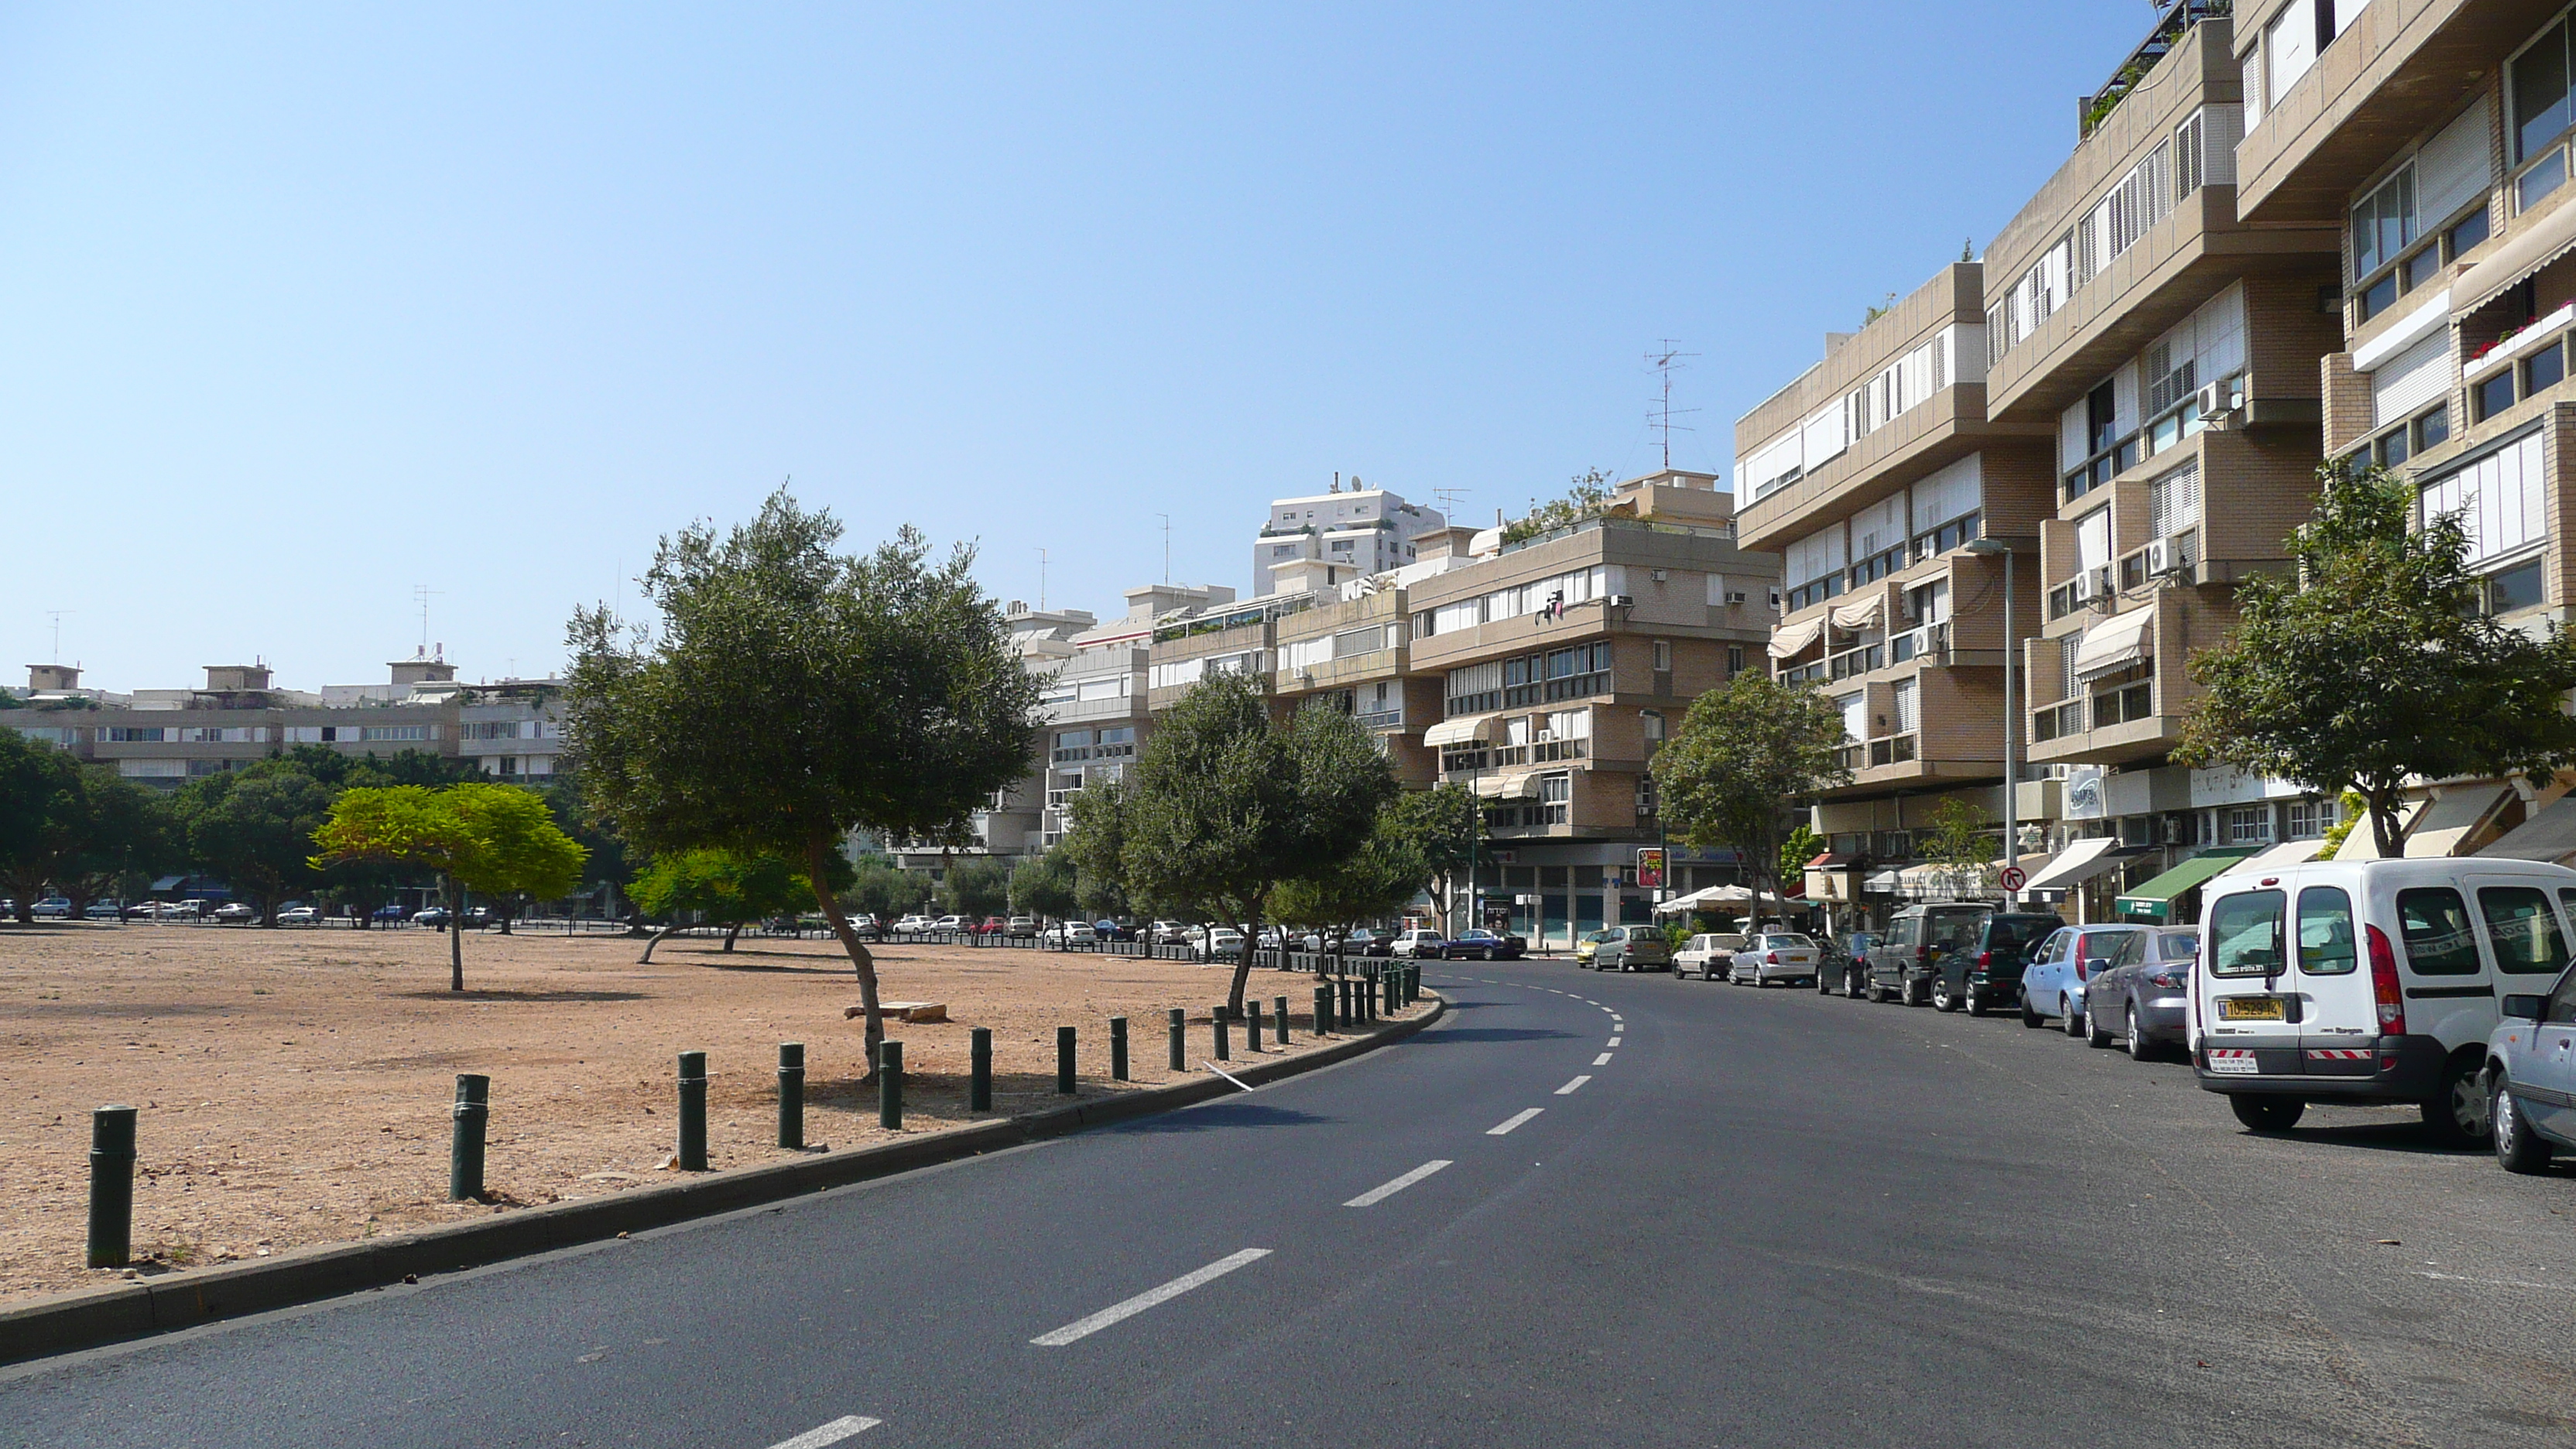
791, 1094
1252, 1027
890, 1085
465, 1148
693, 1112
1323, 1025
111, 1187
979, 1069
2012, 729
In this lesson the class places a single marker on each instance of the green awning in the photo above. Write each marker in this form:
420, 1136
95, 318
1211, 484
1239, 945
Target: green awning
2154, 900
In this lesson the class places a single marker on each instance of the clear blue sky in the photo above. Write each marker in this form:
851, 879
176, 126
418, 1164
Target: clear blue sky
304, 306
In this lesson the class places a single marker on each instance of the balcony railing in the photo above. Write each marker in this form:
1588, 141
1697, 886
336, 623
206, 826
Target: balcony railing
1894, 750
1857, 661
1803, 673
1381, 719
1931, 642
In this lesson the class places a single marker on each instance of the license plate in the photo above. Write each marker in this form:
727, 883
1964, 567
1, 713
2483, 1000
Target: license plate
2251, 1008
2232, 1063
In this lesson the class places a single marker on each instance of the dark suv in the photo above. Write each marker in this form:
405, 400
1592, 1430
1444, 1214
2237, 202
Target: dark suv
1987, 971
1908, 959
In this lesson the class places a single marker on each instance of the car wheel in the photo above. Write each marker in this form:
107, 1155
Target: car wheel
2140, 1049
1917, 993
2030, 1018
2517, 1147
2094, 1035
1821, 988
1968, 998
2073, 1018
1942, 1000
2456, 1115
2267, 1114
1870, 992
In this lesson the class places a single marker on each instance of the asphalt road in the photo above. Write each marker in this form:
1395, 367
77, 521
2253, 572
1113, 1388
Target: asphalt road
1719, 1217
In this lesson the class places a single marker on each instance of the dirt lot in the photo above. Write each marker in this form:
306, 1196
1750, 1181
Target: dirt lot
295, 1084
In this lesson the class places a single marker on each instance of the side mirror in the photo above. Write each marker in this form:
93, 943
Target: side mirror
2097, 965
2523, 1008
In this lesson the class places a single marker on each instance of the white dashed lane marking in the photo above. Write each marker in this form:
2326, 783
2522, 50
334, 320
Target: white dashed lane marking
1602, 1060
1386, 1190
1127, 1308
1570, 1088
831, 1433
1515, 1120
1614, 1041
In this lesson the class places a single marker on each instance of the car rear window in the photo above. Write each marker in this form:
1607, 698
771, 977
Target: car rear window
2177, 946
2522, 930
2325, 932
2435, 922
1787, 941
2245, 934
2019, 930
1954, 929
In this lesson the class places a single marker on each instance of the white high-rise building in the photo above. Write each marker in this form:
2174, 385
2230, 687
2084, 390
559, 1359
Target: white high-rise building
1369, 529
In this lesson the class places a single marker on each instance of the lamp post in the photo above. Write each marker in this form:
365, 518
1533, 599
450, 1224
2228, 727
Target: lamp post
1987, 547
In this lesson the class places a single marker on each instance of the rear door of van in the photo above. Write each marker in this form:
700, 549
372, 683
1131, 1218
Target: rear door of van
2249, 1001
2336, 1012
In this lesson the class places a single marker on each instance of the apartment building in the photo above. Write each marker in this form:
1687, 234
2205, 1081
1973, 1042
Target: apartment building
1564, 660
1895, 505
1351, 648
1364, 530
2433, 136
2171, 347
166, 737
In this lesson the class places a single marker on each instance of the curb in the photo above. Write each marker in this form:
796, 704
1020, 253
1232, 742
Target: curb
88, 1318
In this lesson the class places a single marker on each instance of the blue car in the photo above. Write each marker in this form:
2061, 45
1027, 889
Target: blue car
2531, 1077
2054, 981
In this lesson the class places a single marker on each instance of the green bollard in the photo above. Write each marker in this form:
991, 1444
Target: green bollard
1279, 1018
1216, 1019
890, 1085
1064, 1061
465, 1148
979, 1069
1386, 990
111, 1187
1118, 1049
1323, 1008
791, 1095
693, 1111
1368, 994
1180, 1040
1252, 1026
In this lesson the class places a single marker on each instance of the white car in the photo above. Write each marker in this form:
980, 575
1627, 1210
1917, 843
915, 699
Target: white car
1222, 944
1707, 956
1020, 926
1784, 956
949, 923
912, 924
1172, 933
2371, 982
1068, 933
299, 916
1428, 945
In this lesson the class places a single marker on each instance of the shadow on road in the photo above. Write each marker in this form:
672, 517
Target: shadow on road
1495, 1033
1219, 1115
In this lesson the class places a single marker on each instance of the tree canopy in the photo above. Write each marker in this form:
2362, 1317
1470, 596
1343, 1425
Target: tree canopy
498, 839
1042, 887
254, 827
1744, 758
790, 694
727, 888
1437, 828
2373, 661
70, 826
976, 886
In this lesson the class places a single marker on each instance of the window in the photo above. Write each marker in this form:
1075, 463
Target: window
2432, 429
1663, 656
2492, 395
492, 730
2538, 86
2522, 930
1556, 799
2524, 586
2383, 224
2326, 945
2309, 819
2471, 230
1734, 660
2435, 923
397, 732
2249, 825
2245, 934
2496, 499
2544, 369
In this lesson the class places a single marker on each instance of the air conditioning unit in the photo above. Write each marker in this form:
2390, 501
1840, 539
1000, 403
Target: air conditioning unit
2163, 557
2217, 402
2080, 587
2176, 830
1623, 601
1546, 735
1657, 575
1736, 596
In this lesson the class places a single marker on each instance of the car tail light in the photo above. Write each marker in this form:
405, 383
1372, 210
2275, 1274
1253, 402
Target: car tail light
1923, 953
2383, 985
2168, 980
1985, 959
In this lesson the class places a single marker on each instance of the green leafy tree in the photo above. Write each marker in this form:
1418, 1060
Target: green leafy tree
976, 887
2371, 663
884, 890
70, 827
254, 827
1095, 843
1375, 881
792, 694
1585, 498
1744, 757
128, 835
1439, 827
606, 868
1042, 887
1958, 844
1222, 805
497, 839
729, 888
1803, 845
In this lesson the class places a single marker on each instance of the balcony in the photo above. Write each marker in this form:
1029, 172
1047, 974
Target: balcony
1931, 644
1862, 660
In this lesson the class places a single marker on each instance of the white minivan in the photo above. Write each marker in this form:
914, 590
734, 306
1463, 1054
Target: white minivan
2391, 992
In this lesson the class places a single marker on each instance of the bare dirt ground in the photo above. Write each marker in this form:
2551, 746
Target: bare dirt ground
295, 1085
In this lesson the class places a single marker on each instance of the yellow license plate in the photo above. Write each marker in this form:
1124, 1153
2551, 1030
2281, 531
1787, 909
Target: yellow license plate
2250, 1008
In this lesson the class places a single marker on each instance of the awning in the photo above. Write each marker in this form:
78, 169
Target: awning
1882, 884
1709, 897
2549, 835
1460, 731
2154, 900
1863, 615
1509, 785
1790, 640
2452, 818
1830, 861
2430, 317
2280, 857
2114, 644
2079, 862
2518, 258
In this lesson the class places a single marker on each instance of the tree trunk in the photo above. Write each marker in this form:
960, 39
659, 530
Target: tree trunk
818, 861
730, 932
455, 935
1243, 962
2383, 822
647, 958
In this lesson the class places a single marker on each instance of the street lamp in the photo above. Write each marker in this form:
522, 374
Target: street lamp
1988, 547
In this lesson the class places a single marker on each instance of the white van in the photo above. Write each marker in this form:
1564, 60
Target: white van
2393, 990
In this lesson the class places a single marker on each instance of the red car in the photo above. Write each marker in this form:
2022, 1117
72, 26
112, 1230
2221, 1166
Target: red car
992, 926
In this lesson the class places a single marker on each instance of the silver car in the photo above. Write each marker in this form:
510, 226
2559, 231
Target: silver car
1789, 957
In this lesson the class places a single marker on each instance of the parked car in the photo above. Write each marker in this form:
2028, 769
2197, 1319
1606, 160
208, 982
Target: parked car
300, 916
2531, 1075
1421, 945
1113, 930
1790, 957
1903, 963
1072, 933
102, 911
1707, 955
434, 916
1480, 944
1847, 965
1223, 943
1987, 971
2144, 1004
52, 908
139, 911
1364, 942
951, 924
1020, 926
236, 911
2062, 970
1628, 948
2391, 994
911, 925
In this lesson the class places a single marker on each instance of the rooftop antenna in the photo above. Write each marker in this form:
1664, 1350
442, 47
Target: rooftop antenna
57, 616
1448, 499
1042, 562
1666, 360
1167, 546
421, 594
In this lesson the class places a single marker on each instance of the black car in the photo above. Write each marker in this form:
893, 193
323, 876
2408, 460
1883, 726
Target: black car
1987, 970
1846, 967
1904, 963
